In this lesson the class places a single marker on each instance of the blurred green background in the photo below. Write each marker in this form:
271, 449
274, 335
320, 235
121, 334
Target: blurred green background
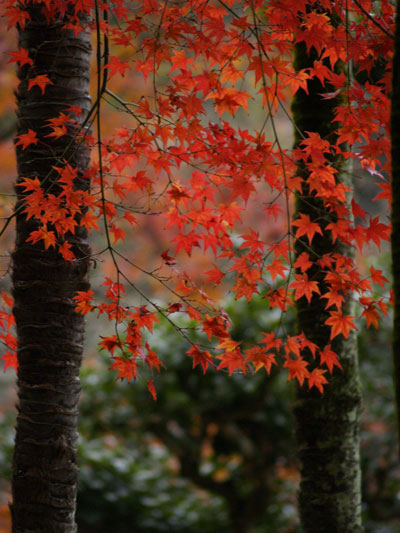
214, 453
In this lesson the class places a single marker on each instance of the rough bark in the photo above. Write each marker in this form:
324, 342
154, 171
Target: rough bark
50, 333
395, 135
326, 426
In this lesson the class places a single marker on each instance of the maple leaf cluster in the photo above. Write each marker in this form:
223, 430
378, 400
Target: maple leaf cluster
205, 178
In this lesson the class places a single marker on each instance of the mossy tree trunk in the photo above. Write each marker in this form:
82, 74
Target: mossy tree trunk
326, 425
50, 332
395, 135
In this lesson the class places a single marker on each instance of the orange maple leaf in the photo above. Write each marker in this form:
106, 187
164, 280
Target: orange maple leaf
179, 60
303, 262
276, 268
370, 312
297, 369
317, 379
229, 99
330, 358
334, 298
340, 324
306, 227
304, 287
48, 237
260, 358
127, 368
228, 344
89, 220
58, 131
83, 299
65, 251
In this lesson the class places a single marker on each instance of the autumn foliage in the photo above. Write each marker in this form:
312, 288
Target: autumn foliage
184, 153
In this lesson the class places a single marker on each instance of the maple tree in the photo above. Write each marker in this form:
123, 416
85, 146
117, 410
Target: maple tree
332, 467
203, 178
45, 279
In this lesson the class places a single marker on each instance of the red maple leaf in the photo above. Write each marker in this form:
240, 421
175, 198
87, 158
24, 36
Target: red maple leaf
378, 277
151, 359
17, 15
143, 318
334, 298
151, 388
10, 360
118, 233
116, 66
21, 57
7, 299
110, 343
127, 368
370, 312
47, 236
214, 276
252, 241
65, 251
376, 231
25, 139
233, 360
200, 357
42, 80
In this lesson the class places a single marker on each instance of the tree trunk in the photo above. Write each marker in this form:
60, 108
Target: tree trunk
395, 135
326, 425
50, 333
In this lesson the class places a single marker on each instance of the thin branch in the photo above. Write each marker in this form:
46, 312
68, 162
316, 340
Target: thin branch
371, 18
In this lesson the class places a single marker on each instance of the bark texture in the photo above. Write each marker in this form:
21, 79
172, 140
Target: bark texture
50, 333
326, 426
395, 135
